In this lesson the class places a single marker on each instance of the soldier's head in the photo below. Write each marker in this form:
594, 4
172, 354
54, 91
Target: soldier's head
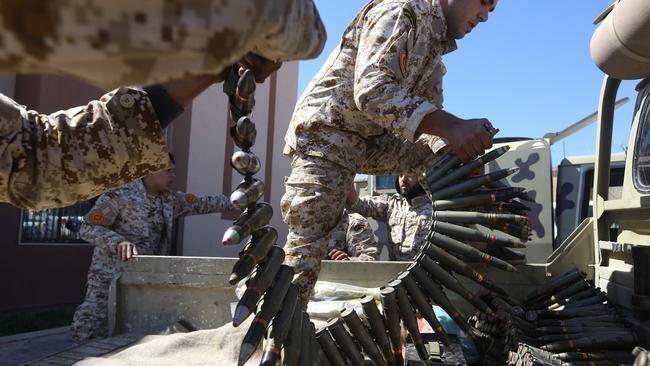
463, 15
162, 180
409, 186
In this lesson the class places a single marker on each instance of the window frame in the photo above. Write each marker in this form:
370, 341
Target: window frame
385, 190
55, 241
643, 131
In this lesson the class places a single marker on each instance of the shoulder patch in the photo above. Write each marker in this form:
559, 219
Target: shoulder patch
190, 198
96, 217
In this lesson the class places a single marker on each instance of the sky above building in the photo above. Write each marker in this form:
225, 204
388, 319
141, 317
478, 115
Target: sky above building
528, 70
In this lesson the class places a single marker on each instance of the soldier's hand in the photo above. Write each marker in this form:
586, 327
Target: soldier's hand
126, 250
470, 138
467, 138
338, 255
261, 66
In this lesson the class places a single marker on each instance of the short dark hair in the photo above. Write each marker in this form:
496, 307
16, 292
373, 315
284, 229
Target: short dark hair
171, 158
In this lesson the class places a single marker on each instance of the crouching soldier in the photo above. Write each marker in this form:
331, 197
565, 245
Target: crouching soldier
134, 219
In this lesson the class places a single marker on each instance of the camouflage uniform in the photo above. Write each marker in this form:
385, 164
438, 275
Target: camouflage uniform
124, 42
409, 223
68, 156
359, 115
353, 235
129, 213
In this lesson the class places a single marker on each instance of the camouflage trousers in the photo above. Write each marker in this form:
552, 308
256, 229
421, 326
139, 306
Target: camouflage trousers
315, 194
91, 318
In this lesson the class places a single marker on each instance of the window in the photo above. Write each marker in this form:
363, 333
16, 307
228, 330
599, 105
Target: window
385, 183
616, 176
57, 225
641, 167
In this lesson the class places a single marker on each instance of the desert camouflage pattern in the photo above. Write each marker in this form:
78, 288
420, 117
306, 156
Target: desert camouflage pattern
353, 235
378, 82
359, 115
123, 42
315, 194
409, 223
129, 213
69, 156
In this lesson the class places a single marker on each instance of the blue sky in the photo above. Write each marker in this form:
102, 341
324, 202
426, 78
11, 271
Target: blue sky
527, 69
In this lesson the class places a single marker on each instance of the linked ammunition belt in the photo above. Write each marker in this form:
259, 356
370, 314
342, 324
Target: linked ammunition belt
456, 193
567, 322
467, 208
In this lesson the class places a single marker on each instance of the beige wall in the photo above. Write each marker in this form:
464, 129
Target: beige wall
209, 149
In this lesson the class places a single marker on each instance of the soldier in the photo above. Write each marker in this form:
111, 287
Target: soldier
352, 239
130, 220
376, 108
122, 42
407, 214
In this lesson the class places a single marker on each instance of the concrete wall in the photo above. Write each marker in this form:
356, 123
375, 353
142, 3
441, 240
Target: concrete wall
209, 148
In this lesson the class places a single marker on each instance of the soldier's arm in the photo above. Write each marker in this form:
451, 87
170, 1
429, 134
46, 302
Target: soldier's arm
377, 207
360, 240
59, 159
382, 62
189, 204
195, 38
96, 225
380, 68
293, 31
69, 156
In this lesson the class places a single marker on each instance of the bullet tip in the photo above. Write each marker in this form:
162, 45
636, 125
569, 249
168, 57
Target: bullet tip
245, 352
241, 313
230, 237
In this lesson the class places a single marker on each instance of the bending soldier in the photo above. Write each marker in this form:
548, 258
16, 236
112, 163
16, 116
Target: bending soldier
375, 107
134, 219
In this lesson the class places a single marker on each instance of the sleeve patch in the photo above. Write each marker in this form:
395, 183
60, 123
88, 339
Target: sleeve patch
190, 198
97, 217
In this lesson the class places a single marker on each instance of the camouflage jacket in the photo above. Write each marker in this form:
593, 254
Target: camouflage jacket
354, 236
69, 156
128, 212
383, 78
408, 223
122, 42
